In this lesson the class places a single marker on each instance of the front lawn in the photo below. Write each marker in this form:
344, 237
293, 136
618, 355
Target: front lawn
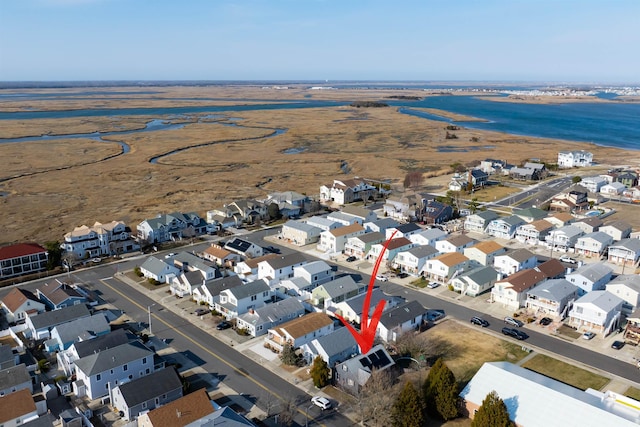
566, 373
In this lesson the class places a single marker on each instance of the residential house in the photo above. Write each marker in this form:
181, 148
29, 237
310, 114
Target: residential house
534, 232
300, 233
514, 261
335, 291
394, 247
315, 272
158, 270
359, 246
146, 393
248, 269
99, 240
257, 322
57, 294
343, 219
588, 225
530, 214
18, 303
479, 221
530, 171
181, 412
380, 225
560, 219
613, 189
79, 349
234, 301
223, 416
351, 309
627, 178
99, 373
85, 328
171, 227
478, 177
352, 374
455, 244
279, 267
290, 203
39, 326
212, 288
322, 222
404, 208
244, 248
346, 191
626, 287
400, 320
476, 281
625, 252
336, 347
403, 230
251, 211
299, 331
187, 262
522, 390
7, 357
445, 267
571, 201
551, 298
22, 258
484, 253
434, 212
185, 283
596, 311
428, 237
593, 244
632, 328
593, 184
362, 215
220, 256
618, 230
492, 166
13, 379
574, 158
217, 219
511, 291
590, 277
564, 238
333, 241
632, 193
552, 268
504, 228
17, 409
412, 261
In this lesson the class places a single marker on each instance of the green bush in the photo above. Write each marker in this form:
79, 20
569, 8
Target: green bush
138, 271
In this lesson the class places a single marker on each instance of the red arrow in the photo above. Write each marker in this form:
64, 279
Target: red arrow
367, 333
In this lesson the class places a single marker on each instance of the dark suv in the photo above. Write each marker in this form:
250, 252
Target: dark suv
479, 321
515, 333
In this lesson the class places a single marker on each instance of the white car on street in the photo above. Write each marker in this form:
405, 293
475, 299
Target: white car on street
321, 402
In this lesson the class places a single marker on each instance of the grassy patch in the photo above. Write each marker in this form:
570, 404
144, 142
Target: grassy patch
568, 332
568, 374
420, 283
633, 393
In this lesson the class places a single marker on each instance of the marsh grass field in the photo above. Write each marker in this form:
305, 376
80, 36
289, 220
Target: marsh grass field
49, 187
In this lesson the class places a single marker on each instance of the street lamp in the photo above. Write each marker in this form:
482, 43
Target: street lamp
149, 311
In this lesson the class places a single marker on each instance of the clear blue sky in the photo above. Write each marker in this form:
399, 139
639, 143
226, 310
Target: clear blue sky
522, 40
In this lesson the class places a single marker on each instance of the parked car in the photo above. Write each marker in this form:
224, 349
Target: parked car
321, 402
382, 278
433, 285
588, 335
223, 325
271, 249
169, 255
435, 315
617, 345
479, 321
515, 333
201, 311
351, 258
546, 321
403, 275
568, 259
513, 322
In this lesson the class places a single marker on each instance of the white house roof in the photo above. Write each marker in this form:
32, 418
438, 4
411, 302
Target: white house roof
593, 272
314, 267
606, 301
598, 236
155, 265
322, 222
629, 244
630, 280
568, 230
533, 399
302, 226
422, 251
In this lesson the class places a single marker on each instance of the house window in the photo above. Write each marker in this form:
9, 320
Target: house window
146, 371
98, 377
111, 372
144, 405
254, 297
157, 401
144, 360
125, 367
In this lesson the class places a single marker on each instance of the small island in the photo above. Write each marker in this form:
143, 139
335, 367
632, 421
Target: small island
406, 97
368, 104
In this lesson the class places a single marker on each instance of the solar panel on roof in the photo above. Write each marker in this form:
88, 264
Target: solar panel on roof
365, 362
383, 360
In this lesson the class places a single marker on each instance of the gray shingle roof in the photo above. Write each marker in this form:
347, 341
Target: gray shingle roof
340, 286
50, 319
377, 295
193, 261
13, 376
398, 315
71, 331
487, 215
113, 357
553, 290
218, 285
302, 226
103, 342
248, 289
481, 275
273, 312
604, 300
629, 244
594, 272
408, 228
336, 342
150, 386
372, 237
314, 267
630, 280
422, 251
155, 265
283, 261
520, 255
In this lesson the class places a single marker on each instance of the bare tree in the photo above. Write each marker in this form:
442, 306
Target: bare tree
288, 411
412, 179
376, 399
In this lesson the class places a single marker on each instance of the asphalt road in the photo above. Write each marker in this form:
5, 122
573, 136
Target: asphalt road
535, 196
